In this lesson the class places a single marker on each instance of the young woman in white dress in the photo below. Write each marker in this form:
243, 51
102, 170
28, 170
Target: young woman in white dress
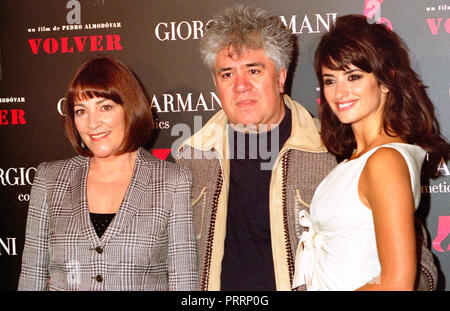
377, 117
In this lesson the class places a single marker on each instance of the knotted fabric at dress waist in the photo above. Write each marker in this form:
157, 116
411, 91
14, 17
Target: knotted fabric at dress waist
305, 255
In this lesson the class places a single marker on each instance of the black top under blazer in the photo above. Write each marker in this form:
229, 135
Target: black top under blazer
149, 245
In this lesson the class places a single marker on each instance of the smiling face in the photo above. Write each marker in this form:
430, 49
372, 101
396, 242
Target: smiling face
354, 96
101, 125
249, 87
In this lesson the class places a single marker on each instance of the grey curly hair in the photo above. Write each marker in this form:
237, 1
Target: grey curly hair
241, 27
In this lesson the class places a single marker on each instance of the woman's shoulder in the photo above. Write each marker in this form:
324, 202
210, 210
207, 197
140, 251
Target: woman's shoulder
55, 166
394, 161
404, 148
386, 169
164, 168
395, 153
75, 161
385, 156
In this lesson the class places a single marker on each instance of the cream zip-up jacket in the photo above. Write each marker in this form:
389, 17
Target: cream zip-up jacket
302, 163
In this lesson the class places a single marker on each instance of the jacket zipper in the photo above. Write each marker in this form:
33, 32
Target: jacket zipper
209, 246
290, 261
287, 243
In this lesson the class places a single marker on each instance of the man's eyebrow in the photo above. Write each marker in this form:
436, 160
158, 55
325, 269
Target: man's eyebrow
256, 64
222, 69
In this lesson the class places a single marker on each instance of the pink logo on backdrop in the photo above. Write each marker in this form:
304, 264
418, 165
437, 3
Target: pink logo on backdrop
372, 9
443, 232
435, 23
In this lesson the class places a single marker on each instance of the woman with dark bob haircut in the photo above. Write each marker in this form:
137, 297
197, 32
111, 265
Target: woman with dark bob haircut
114, 217
377, 118
118, 84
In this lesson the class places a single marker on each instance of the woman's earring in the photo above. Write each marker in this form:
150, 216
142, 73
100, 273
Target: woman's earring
82, 144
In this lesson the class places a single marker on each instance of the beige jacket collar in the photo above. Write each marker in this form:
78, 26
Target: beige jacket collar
304, 134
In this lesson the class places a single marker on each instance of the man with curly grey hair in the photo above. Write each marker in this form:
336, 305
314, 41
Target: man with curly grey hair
246, 207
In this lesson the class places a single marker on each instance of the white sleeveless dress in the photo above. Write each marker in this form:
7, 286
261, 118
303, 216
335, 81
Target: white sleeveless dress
339, 251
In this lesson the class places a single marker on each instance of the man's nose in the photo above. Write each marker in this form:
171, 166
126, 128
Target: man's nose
241, 83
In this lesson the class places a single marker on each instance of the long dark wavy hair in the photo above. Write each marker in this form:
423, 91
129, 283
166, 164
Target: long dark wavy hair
408, 111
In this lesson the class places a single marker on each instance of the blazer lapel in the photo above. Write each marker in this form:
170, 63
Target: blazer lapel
79, 201
132, 199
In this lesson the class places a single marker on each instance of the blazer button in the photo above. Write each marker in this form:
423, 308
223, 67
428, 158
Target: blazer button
99, 249
99, 278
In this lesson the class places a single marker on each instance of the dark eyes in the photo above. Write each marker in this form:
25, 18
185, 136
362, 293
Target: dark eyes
352, 77
79, 112
106, 107
328, 81
226, 75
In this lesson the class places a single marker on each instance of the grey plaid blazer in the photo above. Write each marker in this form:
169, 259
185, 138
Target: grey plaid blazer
149, 245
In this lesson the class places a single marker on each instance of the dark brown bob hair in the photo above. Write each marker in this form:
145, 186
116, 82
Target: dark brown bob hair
408, 111
109, 78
